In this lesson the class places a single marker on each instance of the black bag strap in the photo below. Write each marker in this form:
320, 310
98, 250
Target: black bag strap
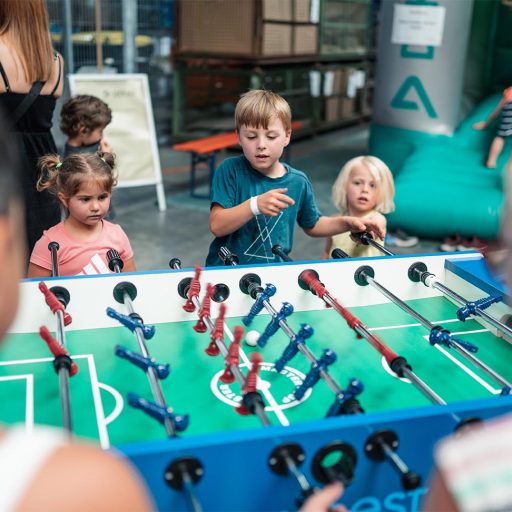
25, 104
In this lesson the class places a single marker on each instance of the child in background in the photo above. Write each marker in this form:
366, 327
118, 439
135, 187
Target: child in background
256, 199
364, 189
83, 119
83, 184
504, 129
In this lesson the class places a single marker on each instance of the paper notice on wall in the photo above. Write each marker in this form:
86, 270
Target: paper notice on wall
315, 79
314, 16
419, 25
356, 79
328, 83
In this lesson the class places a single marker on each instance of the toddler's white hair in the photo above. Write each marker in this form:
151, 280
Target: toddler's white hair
383, 179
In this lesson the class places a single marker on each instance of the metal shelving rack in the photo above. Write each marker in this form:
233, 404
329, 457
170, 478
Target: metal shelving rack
206, 88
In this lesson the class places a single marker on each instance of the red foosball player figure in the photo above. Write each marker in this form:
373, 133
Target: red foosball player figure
217, 334
193, 291
205, 310
250, 394
233, 357
53, 303
61, 355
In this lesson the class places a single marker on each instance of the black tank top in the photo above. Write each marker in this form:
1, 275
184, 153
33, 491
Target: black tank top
38, 118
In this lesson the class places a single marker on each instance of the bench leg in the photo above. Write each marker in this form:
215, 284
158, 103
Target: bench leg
193, 161
210, 161
211, 170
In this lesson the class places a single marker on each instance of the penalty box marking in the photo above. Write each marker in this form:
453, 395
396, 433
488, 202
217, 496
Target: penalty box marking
101, 420
461, 365
446, 353
29, 398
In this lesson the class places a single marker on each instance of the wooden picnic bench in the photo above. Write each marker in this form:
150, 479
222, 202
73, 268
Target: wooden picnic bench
205, 149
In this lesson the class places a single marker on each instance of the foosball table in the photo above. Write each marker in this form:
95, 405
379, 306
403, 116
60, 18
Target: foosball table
245, 388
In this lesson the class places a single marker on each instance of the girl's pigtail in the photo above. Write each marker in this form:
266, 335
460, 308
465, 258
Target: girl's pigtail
49, 165
110, 160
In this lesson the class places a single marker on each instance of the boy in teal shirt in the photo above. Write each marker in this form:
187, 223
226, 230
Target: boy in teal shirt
256, 199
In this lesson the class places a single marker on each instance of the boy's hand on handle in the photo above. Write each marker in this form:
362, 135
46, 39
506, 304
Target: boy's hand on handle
272, 202
480, 125
376, 226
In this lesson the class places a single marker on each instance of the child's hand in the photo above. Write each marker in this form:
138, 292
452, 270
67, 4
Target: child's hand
272, 202
480, 125
323, 500
105, 146
376, 225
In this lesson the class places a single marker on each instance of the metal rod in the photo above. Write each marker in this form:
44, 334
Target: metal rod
129, 36
298, 474
63, 373
53, 247
478, 311
188, 485
378, 246
416, 381
303, 348
151, 373
99, 36
67, 43
458, 348
393, 298
393, 457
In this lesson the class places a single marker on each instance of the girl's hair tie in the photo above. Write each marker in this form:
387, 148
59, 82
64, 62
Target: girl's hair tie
58, 166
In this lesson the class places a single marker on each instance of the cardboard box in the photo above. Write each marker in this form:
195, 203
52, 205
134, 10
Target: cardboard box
332, 108
340, 81
216, 27
277, 10
276, 39
347, 107
302, 11
245, 28
305, 41
287, 10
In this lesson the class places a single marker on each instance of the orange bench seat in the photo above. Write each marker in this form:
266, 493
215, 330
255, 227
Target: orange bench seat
205, 150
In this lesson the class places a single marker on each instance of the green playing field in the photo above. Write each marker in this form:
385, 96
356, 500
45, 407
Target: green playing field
29, 387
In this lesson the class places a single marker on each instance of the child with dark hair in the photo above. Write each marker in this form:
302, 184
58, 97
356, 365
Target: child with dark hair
83, 119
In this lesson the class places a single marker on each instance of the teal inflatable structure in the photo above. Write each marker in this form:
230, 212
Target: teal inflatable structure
442, 184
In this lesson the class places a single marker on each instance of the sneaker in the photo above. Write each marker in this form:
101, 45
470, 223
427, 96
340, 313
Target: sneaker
451, 243
471, 244
401, 239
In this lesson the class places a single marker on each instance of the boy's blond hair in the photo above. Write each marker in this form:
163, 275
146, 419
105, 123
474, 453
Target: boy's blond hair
256, 108
382, 176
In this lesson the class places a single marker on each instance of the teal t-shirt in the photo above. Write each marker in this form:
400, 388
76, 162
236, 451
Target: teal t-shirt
234, 182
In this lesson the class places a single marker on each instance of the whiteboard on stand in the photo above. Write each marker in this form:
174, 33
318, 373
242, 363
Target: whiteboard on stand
132, 132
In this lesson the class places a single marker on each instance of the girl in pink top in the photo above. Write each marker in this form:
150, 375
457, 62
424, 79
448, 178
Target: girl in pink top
83, 185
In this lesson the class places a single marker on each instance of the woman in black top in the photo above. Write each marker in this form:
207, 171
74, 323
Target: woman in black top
31, 80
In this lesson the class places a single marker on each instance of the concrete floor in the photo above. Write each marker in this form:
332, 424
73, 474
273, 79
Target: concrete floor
182, 230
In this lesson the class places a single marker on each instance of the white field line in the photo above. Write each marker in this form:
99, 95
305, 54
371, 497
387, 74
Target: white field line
29, 398
461, 365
